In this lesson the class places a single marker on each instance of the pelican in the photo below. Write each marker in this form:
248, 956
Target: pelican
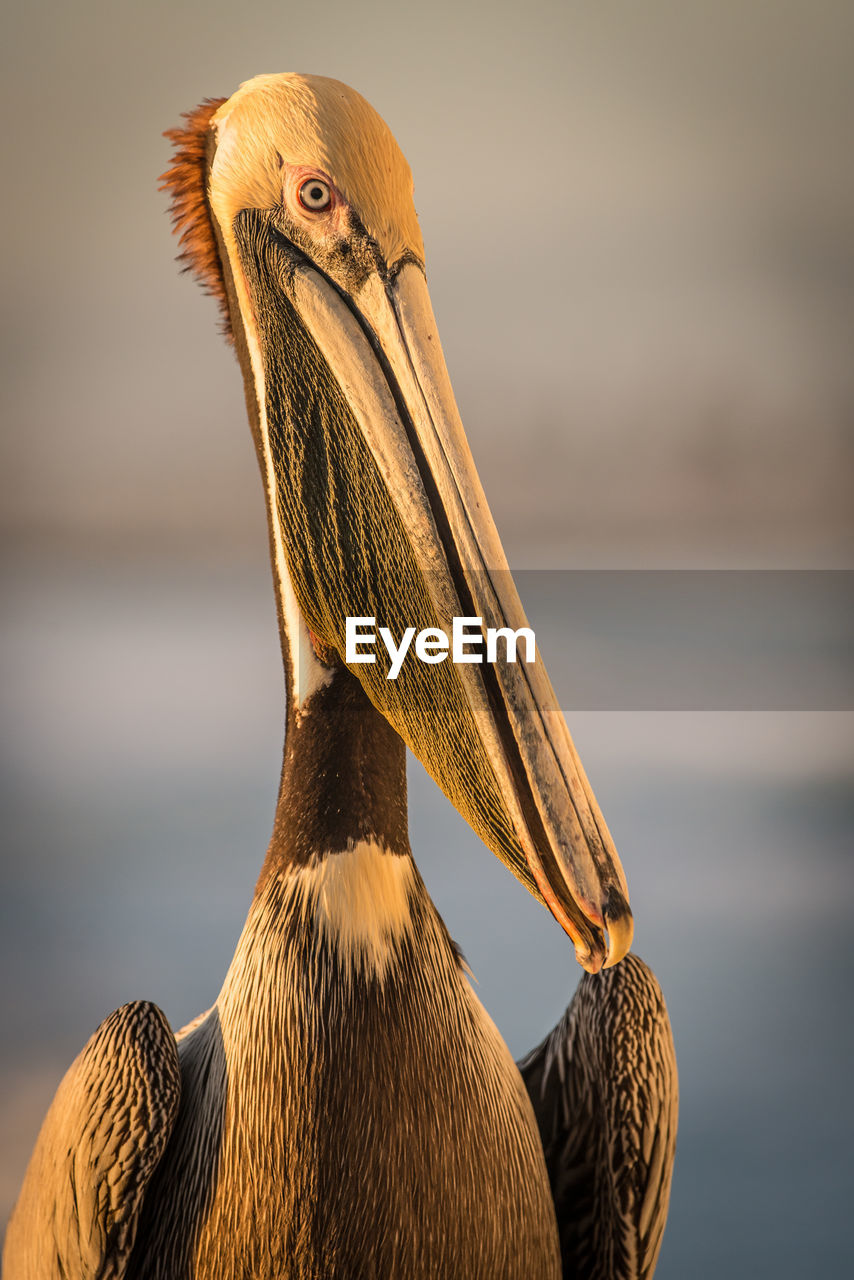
347, 1108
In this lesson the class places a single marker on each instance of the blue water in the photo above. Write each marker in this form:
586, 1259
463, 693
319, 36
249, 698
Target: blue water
142, 711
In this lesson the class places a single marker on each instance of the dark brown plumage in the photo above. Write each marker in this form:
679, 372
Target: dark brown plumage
106, 1131
604, 1089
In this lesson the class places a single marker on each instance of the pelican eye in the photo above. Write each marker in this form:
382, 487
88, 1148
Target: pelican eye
315, 195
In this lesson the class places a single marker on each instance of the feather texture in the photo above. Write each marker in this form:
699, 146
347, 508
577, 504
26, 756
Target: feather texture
604, 1090
342, 1124
187, 185
101, 1140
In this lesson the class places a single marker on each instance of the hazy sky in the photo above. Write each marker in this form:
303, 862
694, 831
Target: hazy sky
639, 222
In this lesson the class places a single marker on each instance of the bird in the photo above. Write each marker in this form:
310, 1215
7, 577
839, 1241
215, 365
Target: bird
346, 1107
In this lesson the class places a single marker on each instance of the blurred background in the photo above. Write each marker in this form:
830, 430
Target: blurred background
640, 232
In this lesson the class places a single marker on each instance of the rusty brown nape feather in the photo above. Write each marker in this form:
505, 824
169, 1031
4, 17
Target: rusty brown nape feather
186, 183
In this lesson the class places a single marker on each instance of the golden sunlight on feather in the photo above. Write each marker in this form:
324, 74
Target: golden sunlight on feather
311, 120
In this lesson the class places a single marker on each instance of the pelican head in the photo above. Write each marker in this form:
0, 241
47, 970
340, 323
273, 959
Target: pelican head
295, 207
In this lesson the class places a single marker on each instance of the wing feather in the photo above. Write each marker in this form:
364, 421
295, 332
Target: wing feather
100, 1142
604, 1090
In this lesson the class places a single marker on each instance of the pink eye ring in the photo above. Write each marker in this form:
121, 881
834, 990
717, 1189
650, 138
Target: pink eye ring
315, 195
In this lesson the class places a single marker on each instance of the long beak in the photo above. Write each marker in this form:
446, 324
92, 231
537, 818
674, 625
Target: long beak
405, 536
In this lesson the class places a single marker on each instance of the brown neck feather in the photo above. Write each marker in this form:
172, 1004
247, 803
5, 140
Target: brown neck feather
343, 779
